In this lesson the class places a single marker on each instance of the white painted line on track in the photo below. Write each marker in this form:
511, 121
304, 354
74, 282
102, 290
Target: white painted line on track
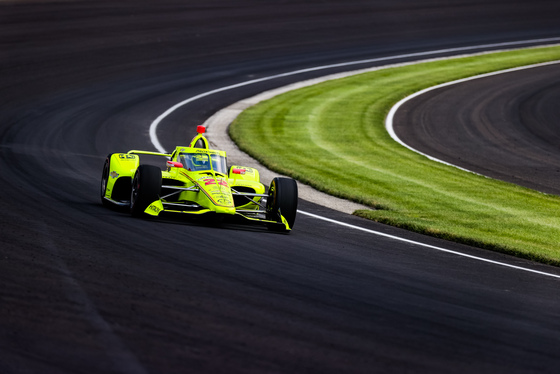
397, 238
155, 141
153, 127
389, 121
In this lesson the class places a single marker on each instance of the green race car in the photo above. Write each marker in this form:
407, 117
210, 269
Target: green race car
197, 181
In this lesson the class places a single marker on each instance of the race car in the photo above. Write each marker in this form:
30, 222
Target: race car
197, 181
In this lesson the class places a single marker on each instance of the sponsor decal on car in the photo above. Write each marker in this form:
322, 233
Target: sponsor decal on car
224, 201
114, 174
210, 181
154, 208
207, 151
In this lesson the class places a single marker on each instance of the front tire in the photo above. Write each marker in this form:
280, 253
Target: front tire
282, 201
146, 188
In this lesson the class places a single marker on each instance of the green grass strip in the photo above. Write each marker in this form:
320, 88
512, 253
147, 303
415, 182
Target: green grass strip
332, 136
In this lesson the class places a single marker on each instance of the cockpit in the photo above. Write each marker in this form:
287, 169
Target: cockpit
203, 161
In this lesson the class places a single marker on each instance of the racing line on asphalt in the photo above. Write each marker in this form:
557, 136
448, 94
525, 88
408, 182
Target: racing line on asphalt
388, 124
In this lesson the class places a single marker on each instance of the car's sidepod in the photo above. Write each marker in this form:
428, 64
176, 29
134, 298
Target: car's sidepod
121, 170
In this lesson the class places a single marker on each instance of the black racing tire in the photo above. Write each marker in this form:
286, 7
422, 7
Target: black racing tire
146, 188
282, 200
105, 180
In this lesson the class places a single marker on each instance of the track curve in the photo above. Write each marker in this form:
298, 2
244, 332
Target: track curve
503, 126
86, 289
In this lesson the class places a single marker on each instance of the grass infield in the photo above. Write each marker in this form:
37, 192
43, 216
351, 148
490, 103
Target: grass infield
332, 136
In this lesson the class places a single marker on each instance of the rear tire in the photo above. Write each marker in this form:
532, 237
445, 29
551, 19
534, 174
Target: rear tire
146, 188
282, 200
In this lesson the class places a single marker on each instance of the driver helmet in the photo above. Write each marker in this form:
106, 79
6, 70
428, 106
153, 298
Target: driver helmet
200, 161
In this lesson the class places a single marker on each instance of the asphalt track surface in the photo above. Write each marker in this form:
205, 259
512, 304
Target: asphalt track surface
90, 290
505, 127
